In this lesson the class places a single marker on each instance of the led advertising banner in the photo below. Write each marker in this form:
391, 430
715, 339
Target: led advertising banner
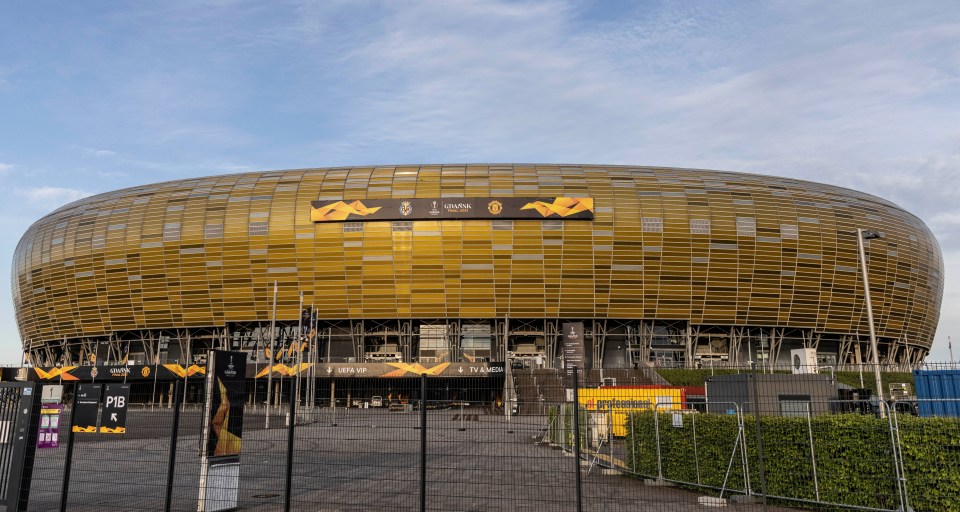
168, 372
511, 208
382, 370
116, 373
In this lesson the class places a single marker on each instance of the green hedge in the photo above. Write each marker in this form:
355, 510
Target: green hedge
853, 456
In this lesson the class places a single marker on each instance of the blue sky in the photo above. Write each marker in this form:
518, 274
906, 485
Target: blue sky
96, 96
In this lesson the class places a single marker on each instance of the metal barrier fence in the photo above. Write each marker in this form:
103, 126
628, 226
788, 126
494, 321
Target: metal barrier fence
421, 444
439, 444
9, 402
889, 460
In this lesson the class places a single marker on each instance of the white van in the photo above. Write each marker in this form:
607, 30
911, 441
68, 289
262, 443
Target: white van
376, 401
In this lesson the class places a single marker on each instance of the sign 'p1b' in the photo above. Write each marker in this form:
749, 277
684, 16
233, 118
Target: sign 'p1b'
113, 420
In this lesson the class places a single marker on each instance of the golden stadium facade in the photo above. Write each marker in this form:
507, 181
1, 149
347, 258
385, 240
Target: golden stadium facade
465, 263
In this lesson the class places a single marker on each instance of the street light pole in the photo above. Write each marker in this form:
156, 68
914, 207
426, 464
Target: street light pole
861, 236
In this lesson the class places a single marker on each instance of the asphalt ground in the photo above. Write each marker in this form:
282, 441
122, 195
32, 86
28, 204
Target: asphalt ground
350, 460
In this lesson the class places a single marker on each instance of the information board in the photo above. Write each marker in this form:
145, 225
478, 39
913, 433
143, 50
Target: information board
573, 352
87, 404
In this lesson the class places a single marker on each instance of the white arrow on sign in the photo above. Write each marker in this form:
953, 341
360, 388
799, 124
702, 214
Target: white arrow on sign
113, 417
460, 369
329, 370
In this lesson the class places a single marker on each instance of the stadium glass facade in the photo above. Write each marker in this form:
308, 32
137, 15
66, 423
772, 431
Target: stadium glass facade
663, 266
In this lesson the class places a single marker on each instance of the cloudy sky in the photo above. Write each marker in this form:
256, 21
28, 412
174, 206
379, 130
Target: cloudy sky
96, 96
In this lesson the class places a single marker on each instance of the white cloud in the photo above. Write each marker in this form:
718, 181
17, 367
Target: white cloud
824, 91
946, 218
49, 198
98, 152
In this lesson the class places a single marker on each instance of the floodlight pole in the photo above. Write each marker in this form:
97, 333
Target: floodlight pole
861, 235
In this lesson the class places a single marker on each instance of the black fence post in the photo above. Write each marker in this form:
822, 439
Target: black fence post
68, 457
174, 434
23, 437
423, 443
756, 413
576, 437
291, 426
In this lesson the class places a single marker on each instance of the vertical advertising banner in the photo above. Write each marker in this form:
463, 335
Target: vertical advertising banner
226, 411
573, 352
222, 431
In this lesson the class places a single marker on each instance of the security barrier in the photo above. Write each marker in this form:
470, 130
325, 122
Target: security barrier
430, 443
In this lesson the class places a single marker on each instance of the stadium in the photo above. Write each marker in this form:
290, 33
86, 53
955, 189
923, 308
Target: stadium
390, 271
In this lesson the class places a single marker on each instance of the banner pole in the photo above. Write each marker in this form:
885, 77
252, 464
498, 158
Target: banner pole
205, 432
576, 438
273, 348
68, 458
299, 342
423, 442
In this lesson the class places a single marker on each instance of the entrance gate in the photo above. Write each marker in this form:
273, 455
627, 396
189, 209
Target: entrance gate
19, 421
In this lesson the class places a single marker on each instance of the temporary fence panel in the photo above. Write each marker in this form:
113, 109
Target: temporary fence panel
929, 454
451, 447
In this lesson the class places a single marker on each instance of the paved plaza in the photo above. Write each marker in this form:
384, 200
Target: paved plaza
355, 459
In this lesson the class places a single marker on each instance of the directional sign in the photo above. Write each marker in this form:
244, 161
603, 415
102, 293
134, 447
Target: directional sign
114, 419
87, 403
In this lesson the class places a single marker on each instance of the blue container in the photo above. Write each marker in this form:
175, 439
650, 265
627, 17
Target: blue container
938, 392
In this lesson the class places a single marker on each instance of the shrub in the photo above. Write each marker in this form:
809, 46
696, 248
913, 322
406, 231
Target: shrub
853, 454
